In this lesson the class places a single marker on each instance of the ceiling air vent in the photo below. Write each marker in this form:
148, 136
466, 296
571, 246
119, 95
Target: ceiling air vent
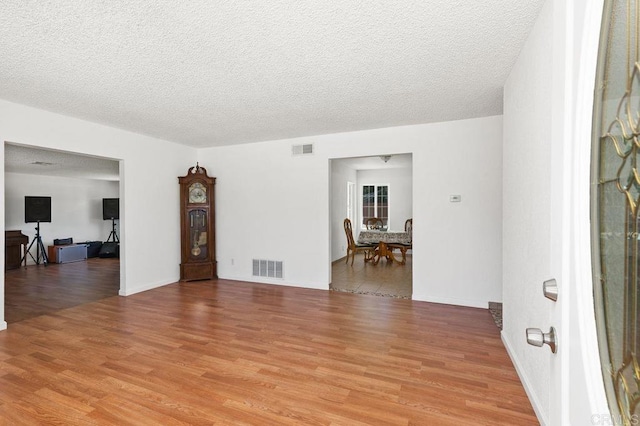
305, 149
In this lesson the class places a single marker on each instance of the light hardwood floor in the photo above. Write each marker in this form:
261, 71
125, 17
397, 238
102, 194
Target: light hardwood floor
233, 353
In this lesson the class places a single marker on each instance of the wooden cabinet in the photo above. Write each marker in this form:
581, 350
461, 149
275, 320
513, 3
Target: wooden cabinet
197, 225
15, 244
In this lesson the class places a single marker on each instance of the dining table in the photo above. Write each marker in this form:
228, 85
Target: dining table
382, 239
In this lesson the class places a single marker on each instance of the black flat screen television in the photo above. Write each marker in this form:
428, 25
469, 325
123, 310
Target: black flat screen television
110, 208
37, 209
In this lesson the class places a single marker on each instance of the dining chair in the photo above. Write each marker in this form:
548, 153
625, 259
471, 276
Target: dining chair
408, 227
403, 247
374, 223
353, 247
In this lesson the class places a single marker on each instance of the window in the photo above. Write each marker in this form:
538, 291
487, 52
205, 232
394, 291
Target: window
375, 203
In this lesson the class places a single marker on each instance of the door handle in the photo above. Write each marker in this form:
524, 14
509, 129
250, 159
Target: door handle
536, 337
550, 289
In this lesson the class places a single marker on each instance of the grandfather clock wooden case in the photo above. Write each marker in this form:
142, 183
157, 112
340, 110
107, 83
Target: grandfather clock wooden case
197, 225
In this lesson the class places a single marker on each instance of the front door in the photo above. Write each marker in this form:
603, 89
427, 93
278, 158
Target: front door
616, 207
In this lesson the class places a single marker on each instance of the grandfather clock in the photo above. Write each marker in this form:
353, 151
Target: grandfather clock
197, 225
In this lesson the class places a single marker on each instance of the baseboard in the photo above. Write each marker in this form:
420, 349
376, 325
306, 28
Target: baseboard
3, 325
275, 281
535, 403
342, 259
451, 301
151, 286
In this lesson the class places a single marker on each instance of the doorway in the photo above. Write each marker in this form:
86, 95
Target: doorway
351, 179
76, 185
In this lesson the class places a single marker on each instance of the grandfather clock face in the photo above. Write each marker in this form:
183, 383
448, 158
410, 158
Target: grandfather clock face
197, 193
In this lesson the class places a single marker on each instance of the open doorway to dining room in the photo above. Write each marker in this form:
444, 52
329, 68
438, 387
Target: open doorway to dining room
379, 186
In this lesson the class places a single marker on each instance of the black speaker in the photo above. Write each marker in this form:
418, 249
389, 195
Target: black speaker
93, 248
62, 241
110, 208
37, 209
109, 250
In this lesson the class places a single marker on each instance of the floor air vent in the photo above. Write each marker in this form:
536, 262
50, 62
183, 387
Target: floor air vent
302, 149
267, 268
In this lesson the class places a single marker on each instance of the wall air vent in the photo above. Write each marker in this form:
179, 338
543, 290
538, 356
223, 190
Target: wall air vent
305, 149
267, 268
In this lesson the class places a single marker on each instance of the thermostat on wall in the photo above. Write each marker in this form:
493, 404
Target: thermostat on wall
455, 198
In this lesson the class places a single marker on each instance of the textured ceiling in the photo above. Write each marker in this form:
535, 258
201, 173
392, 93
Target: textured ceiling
219, 72
22, 159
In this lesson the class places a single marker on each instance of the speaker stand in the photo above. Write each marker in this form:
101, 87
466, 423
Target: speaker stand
41, 254
113, 233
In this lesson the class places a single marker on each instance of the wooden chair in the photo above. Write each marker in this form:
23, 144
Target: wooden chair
403, 247
353, 247
374, 223
408, 227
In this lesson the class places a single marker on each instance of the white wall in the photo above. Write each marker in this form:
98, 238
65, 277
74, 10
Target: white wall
340, 175
400, 183
76, 206
272, 205
149, 191
547, 124
527, 205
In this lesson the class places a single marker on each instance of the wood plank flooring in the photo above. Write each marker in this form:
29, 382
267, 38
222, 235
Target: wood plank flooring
38, 290
235, 353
